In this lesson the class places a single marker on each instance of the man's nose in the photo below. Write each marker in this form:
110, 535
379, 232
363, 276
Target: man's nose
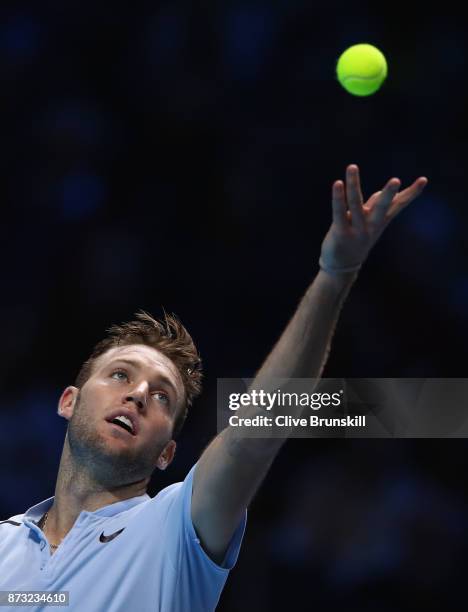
138, 395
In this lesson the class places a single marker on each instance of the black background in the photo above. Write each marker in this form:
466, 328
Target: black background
182, 155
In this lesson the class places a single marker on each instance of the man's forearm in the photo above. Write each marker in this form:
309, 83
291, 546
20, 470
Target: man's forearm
302, 350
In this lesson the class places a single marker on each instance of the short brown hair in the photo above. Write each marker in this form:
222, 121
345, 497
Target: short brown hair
169, 337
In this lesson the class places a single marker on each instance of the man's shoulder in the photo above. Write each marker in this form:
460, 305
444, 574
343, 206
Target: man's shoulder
173, 491
177, 494
17, 519
168, 492
11, 526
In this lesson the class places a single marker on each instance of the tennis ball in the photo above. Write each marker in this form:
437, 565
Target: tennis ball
362, 69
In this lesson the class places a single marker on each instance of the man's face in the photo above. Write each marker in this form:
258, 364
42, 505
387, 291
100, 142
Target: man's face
149, 390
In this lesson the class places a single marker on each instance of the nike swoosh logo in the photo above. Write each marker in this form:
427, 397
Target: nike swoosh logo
104, 538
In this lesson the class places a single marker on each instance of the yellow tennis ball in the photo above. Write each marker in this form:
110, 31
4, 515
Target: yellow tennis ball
362, 69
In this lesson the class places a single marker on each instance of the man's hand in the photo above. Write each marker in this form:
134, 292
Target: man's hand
356, 225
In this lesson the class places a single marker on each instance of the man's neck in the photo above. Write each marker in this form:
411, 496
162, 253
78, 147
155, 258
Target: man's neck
76, 490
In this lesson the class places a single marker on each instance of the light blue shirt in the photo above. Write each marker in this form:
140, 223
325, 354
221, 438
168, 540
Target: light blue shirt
153, 562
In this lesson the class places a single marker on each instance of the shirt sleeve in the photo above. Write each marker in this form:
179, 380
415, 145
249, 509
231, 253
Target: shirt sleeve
200, 580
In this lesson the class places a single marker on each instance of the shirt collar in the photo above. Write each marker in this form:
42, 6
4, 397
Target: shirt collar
36, 512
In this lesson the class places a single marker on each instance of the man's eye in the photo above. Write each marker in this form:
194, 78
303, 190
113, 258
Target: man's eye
162, 397
159, 395
120, 372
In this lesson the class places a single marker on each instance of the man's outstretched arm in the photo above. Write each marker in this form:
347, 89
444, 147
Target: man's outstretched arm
232, 467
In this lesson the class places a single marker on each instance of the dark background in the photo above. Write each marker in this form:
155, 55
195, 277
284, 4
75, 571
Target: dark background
182, 155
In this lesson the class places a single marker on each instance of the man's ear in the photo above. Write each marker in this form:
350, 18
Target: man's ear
67, 402
166, 457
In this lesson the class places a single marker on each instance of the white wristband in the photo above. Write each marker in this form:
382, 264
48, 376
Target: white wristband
338, 270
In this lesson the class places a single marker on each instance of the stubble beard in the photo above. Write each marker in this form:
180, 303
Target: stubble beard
94, 453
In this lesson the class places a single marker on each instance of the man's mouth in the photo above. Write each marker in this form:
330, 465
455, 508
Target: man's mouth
124, 424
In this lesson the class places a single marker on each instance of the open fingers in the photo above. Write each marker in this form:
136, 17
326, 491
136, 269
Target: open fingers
406, 196
384, 201
339, 205
354, 196
369, 205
